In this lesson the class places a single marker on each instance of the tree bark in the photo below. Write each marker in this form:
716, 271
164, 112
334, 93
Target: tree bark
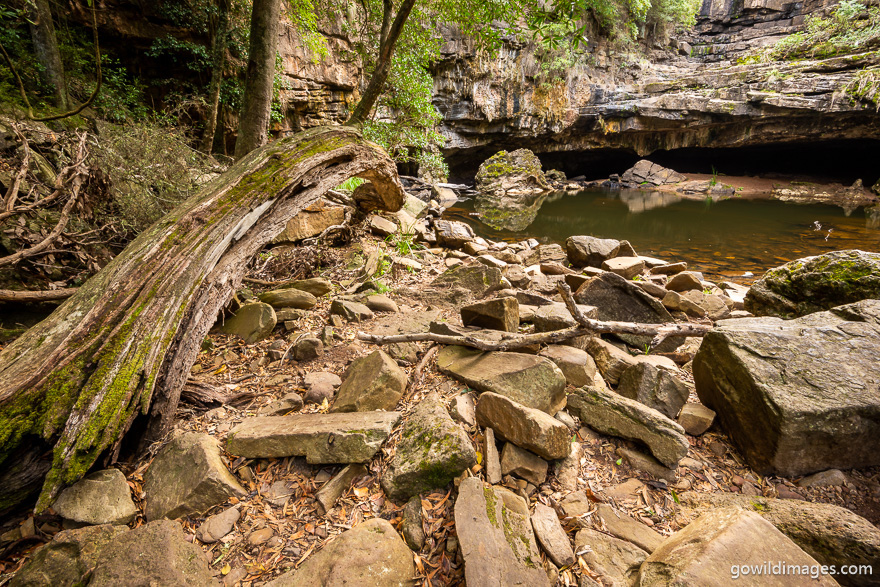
218, 59
383, 63
254, 124
46, 47
124, 344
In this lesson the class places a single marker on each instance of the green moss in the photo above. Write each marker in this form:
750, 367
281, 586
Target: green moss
491, 503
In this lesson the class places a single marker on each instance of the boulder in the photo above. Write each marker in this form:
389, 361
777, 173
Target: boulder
647, 464
219, 525
676, 302
610, 360
644, 172
578, 366
530, 380
526, 427
68, 558
322, 438
614, 561
523, 464
589, 251
188, 477
497, 314
551, 536
684, 281
100, 498
252, 322
656, 388
371, 553
721, 546
517, 172
832, 535
615, 415
452, 234
289, 298
714, 306
351, 311
310, 222
432, 451
797, 396
477, 279
462, 409
626, 267
372, 382
816, 283
496, 538
317, 286
623, 301
157, 553
381, 226
695, 418
308, 348
381, 303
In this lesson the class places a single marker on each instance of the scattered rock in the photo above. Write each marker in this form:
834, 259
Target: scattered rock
588, 251
331, 491
351, 311
219, 525
576, 504
669, 268
493, 463
816, 283
308, 348
646, 172
830, 478
497, 314
621, 525
684, 281
615, 561
524, 464
289, 298
695, 418
530, 380
568, 469
258, 537
610, 360
612, 414
676, 302
647, 464
371, 553
413, 533
317, 286
792, 393
526, 427
496, 537
477, 279
626, 267
321, 377
381, 303
381, 226
626, 491
551, 536
100, 498
433, 450
452, 234
322, 438
311, 221
656, 388
462, 407
252, 322
373, 382
187, 477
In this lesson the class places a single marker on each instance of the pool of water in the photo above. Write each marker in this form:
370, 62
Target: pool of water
724, 239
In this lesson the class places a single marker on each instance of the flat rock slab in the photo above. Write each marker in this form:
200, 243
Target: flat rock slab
100, 498
551, 536
578, 366
478, 279
371, 553
524, 464
614, 560
322, 438
432, 451
373, 382
610, 413
496, 537
797, 396
621, 525
530, 380
709, 550
188, 477
525, 427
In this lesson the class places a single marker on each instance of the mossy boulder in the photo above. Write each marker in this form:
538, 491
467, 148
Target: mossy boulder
517, 172
816, 283
433, 450
373, 382
252, 322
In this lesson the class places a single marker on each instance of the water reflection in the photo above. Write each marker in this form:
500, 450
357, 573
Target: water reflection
510, 213
725, 238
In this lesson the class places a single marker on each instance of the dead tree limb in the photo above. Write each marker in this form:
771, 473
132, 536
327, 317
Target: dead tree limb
124, 344
24, 296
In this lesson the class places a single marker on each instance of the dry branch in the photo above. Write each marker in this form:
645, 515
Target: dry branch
49, 295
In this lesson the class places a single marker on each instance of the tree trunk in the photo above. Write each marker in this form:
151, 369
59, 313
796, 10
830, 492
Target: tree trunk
218, 64
46, 47
254, 124
124, 344
383, 63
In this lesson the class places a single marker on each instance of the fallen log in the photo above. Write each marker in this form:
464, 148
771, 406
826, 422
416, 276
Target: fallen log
123, 345
586, 327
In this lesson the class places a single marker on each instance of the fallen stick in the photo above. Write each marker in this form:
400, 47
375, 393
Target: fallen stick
49, 295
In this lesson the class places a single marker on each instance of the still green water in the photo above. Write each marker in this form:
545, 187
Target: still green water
722, 239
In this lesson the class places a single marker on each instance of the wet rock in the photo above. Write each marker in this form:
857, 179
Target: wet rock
68, 558
792, 393
187, 477
647, 464
432, 451
452, 234
163, 557
656, 388
610, 360
610, 413
615, 561
816, 283
317, 286
477, 279
413, 533
551, 536
530, 380
497, 314
695, 418
371, 553
321, 438
718, 542
496, 537
646, 172
620, 300
524, 464
331, 491
626, 267
351, 311
219, 525
373, 382
526, 427
252, 322
100, 498
516, 172
380, 303
684, 281
588, 251
493, 462
289, 298
621, 525
830, 478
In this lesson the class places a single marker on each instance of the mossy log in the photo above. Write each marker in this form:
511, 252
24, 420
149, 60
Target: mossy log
123, 345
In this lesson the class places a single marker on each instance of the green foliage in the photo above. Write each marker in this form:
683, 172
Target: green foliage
403, 242
351, 183
865, 86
